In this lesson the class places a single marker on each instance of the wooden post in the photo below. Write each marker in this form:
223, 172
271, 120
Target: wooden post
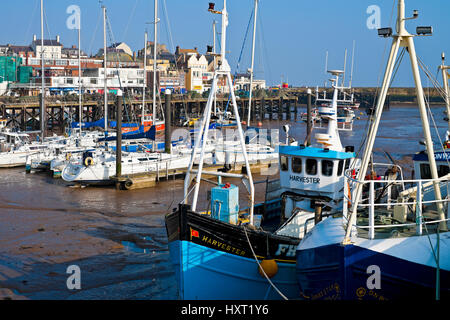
296, 108
168, 116
280, 108
271, 110
308, 118
119, 134
288, 109
262, 109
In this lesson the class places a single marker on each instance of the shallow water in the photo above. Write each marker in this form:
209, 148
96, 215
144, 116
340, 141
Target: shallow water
118, 238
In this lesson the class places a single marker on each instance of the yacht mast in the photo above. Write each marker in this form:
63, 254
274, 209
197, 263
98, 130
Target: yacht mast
105, 78
144, 85
154, 62
404, 39
42, 74
80, 114
252, 63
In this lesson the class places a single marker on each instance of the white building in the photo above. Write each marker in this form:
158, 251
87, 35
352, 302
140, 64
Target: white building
52, 48
242, 82
196, 67
92, 81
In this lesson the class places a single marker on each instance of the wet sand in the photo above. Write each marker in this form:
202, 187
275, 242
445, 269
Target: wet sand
118, 238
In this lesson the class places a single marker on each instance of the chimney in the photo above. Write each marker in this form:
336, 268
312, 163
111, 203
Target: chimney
134, 56
74, 46
195, 48
57, 39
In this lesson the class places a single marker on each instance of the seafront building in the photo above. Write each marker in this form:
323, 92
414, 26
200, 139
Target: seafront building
185, 70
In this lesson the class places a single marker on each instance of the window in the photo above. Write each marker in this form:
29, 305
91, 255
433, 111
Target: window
284, 163
425, 172
443, 171
69, 81
311, 166
347, 164
297, 165
93, 81
340, 167
327, 168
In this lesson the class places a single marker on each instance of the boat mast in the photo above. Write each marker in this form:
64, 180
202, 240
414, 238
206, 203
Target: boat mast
42, 74
445, 76
351, 69
252, 63
80, 114
223, 70
404, 39
144, 85
154, 62
345, 68
105, 78
214, 57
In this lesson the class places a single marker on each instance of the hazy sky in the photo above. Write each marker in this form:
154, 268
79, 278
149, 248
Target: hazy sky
292, 36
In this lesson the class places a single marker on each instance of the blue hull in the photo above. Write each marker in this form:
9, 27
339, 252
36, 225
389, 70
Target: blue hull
207, 274
336, 272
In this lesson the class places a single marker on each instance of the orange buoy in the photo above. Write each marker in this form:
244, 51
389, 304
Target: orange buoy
244, 123
269, 266
259, 124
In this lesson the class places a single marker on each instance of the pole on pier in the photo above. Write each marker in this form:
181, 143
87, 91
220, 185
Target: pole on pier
262, 109
119, 134
168, 119
308, 118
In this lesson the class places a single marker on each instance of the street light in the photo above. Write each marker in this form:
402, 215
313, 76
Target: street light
425, 31
385, 32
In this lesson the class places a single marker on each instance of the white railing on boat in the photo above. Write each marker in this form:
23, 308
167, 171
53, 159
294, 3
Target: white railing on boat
396, 208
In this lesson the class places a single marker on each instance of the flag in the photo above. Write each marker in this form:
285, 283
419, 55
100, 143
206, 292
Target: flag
194, 233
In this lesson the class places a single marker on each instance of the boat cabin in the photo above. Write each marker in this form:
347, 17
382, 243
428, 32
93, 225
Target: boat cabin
422, 168
313, 171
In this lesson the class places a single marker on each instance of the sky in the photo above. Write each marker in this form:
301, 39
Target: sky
292, 41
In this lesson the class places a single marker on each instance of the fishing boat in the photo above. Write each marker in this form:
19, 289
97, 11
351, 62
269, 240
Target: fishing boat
343, 111
250, 250
388, 245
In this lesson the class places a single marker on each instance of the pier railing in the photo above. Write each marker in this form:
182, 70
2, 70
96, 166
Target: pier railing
388, 209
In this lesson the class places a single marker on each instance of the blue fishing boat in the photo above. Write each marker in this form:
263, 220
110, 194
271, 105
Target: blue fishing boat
391, 240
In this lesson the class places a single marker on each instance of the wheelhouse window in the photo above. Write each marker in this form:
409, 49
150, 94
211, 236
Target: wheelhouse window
327, 168
443, 170
297, 165
340, 167
347, 164
311, 166
425, 172
284, 163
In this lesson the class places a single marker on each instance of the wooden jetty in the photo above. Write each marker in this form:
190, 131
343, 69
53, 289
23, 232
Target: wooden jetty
26, 116
147, 180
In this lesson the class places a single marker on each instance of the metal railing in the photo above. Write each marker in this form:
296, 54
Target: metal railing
378, 202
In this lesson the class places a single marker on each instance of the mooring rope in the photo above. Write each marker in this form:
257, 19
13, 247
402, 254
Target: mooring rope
260, 268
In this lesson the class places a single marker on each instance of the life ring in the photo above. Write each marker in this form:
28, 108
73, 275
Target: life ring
88, 161
68, 156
